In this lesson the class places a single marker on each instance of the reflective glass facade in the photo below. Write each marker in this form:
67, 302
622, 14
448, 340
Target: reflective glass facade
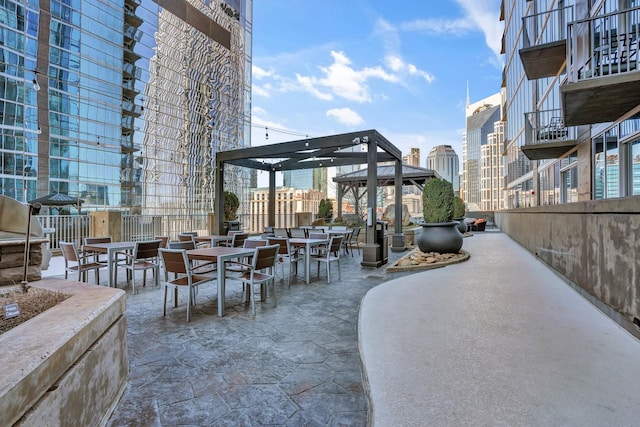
124, 103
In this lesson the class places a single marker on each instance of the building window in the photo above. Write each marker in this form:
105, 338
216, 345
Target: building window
634, 167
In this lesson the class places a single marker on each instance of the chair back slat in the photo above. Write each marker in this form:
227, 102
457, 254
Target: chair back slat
253, 243
146, 250
336, 242
238, 239
318, 236
174, 260
69, 251
284, 244
185, 237
265, 257
164, 240
186, 245
91, 240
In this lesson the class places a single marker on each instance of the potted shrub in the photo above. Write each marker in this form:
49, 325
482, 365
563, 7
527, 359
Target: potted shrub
458, 214
439, 231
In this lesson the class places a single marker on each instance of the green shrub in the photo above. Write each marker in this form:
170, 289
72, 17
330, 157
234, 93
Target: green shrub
437, 201
458, 207
231, 205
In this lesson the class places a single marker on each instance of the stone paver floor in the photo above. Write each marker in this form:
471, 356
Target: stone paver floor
296, 364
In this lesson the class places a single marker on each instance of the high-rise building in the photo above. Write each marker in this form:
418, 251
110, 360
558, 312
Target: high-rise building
481, 117
412, 158
306, 179
124, 103
289, 201
491, 170
572, 142
444, 160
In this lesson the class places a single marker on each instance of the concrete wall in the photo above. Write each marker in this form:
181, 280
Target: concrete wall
68, 365
594, 244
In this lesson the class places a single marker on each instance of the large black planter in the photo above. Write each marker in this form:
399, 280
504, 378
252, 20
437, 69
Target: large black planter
441, 237
462, 225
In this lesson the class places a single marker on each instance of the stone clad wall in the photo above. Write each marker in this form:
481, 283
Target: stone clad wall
12, 261
594, 244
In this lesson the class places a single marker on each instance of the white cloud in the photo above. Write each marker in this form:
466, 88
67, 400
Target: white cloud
260, 73
345, 116
484, 15
261, 90
457, 27
399, 66
342, 80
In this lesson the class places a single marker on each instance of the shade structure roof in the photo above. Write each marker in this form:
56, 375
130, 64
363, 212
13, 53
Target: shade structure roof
57, 199
411, 175
324, 151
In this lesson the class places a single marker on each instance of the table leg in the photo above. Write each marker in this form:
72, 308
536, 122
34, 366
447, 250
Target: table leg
110, 267
307, 263
220, 286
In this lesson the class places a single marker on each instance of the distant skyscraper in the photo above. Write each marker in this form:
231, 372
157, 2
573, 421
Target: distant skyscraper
412, 158
481, 117
306, 179
444, 160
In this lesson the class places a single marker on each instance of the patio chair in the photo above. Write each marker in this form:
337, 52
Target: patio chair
196, 265
82, 262
280, 232
259, 272
298, 233
144, 257
185, 237
351, 240
164, 241
98, 258
286, 255
328, 255
175, 261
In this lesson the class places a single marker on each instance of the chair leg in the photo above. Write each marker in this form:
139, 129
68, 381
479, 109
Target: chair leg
97, 276
253, 298
273, 285
164, 313
189, 303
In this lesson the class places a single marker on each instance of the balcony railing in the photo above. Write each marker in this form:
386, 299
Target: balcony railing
604, 45
546, 136
546, 27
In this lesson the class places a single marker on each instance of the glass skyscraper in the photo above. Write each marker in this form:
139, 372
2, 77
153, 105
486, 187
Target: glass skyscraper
124, 104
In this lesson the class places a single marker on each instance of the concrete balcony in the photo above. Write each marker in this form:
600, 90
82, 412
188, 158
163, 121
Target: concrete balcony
544, 50
546, 135
603, 82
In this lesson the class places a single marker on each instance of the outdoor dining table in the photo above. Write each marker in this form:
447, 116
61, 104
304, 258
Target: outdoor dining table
110, 249
307, 244
213, 239
219, 254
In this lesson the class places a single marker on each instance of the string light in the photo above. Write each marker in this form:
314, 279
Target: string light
283, 131
266, 132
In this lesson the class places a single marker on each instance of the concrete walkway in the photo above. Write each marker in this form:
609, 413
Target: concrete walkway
497, 340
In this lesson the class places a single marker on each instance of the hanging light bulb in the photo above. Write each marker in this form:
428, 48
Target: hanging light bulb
266, 132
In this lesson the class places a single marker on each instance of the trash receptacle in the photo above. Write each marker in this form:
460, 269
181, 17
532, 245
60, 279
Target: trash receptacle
231, 226
382, 236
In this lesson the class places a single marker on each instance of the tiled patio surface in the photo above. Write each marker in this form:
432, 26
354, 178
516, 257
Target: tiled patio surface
296, 364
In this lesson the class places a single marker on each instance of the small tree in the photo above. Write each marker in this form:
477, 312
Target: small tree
437, 201
231, 205
458, 207
325, 209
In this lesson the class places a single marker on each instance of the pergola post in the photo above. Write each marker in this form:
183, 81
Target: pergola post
339, 195
218, 201
272, 198
397, 244
372, 252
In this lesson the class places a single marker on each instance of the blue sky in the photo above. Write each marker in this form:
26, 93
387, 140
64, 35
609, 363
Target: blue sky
322, 67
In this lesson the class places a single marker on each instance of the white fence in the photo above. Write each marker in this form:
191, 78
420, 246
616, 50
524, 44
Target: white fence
73, 228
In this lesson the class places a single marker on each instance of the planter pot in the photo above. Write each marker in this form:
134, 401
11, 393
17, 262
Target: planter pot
441, 237
462, 225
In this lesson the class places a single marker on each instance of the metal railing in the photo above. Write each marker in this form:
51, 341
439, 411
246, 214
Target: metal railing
66, 228
546, 126
603, 45
546, 27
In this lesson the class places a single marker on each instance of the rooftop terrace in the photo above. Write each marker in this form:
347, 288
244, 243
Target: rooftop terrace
499, 339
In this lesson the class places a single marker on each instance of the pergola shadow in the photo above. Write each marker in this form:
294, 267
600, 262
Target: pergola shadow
309, 153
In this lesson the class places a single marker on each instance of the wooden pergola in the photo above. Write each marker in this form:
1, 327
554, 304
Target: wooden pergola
325, 151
